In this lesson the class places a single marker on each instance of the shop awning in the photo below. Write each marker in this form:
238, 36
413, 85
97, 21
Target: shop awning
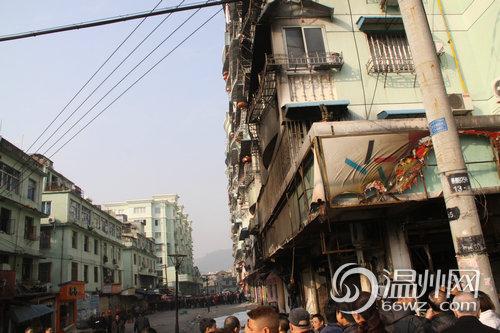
311, 110
20, 314
398, 114
381, 23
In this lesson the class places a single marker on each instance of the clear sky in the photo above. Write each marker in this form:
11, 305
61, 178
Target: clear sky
164, 136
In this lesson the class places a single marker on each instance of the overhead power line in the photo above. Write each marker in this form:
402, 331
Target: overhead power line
91, 77
112, 20
126, 90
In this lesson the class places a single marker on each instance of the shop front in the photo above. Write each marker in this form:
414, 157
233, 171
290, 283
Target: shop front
66, 305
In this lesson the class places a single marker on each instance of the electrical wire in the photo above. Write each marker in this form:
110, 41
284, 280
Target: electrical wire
82, 88
130, 87
123, 78
106, 78
139, 79
92, 76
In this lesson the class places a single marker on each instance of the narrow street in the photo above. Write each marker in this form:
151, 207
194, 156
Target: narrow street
164, 321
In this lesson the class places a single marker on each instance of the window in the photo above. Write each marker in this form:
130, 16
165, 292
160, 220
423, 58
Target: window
118, 232
86, 243
29, 228
86, 273
74, 210
27, 268
135, 259
31, 189
139, 210
119, 276
45, 236
86, 216
390, 52
119, 254
96, 246
112, 230
46, 207
74, 271
156, 223
5, 220
96, 274
304, 45
113, 252
74, 239
157, 234
135, 279
104, 224
9, 178
44, 272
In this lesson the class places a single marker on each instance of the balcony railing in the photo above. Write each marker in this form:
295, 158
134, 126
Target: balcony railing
390, 65
316, 60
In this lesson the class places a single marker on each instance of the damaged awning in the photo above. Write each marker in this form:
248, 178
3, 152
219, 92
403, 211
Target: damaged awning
20, 314
380, 23
399, 114
312, 110
278, 9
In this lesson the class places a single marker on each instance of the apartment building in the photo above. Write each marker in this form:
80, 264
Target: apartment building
329, 158
166, 222
21, 183
82, 249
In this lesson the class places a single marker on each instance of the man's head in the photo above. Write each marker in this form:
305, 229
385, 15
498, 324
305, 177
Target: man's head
263, 319
299, 320
317, 321
207, 325
331, 312
465, 304
284, 323
343, 317
437, 301
485, 302
232, 324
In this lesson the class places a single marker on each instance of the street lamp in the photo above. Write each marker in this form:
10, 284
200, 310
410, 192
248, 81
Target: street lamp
178, 258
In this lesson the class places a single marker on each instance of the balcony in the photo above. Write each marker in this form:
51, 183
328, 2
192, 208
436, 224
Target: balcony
315, 61
57, 187
390, 65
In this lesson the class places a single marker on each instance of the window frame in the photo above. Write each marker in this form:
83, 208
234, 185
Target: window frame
74, 239
32, 188
302, 27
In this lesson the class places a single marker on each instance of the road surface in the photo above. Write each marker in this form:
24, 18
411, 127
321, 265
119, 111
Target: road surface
164, 322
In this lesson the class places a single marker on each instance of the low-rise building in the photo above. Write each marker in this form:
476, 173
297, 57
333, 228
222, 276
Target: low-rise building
20, 211
139, 258
82, 247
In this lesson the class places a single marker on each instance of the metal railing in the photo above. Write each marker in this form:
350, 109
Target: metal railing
390, 65
316, 60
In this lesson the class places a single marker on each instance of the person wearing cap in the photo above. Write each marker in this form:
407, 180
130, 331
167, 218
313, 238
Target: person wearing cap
299, 321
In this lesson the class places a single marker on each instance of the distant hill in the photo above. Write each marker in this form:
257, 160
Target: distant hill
215, 261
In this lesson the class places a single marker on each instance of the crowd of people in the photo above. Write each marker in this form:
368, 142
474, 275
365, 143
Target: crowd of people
204, 301
466, 312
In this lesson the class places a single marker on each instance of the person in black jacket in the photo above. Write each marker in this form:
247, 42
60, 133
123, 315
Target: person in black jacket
439, 316
402, 319
466, 308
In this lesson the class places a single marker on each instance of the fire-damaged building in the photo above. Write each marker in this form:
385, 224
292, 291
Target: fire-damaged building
329, 156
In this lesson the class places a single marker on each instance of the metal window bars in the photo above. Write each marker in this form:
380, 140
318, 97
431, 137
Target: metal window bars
310, 61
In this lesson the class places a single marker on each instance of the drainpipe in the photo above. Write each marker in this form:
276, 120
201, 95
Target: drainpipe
62, 251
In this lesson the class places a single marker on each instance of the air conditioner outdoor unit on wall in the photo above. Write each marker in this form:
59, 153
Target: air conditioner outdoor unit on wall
460, 105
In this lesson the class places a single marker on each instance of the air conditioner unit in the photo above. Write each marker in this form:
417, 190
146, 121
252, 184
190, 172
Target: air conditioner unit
496, 89
461, 105
5, 267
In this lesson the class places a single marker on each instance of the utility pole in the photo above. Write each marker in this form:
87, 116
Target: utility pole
464, 221
177, 264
